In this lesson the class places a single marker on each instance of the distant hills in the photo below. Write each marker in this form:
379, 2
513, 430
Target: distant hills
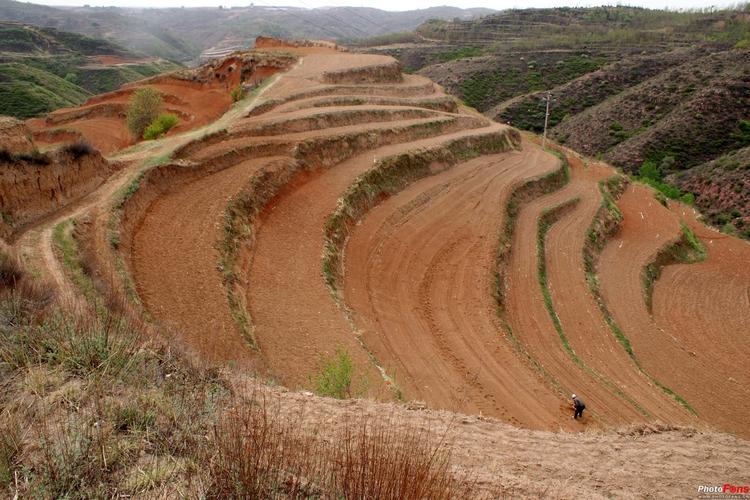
43, 69
629, 85
183, 34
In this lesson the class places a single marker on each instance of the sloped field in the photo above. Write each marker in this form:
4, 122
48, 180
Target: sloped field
456, 262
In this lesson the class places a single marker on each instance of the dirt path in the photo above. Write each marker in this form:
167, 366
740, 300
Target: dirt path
419, 280
35, 245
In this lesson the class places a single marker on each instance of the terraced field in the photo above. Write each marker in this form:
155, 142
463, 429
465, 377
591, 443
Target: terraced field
348, 206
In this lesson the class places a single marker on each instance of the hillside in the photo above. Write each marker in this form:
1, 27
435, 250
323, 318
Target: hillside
348, 230
42, 69
630, 85
184, 34
724, 184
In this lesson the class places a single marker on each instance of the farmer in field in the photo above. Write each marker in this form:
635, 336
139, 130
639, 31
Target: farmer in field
578, 406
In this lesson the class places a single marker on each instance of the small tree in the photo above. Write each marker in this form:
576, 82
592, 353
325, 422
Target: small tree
144, 107
336, 376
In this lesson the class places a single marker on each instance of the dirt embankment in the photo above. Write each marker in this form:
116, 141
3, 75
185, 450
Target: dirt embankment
382, 73
34, 186
197, 97
15, 137
267, 42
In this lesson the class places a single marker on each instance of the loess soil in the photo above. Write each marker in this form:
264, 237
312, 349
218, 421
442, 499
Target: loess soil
462, 269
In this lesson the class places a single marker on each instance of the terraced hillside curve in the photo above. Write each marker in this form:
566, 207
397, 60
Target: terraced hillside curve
454, 260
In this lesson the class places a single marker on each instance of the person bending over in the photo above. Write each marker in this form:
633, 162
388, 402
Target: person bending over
578, 407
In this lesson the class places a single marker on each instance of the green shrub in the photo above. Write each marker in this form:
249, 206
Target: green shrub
160, 126
688, 198
238, 93
335, 377
649, 170
144, 107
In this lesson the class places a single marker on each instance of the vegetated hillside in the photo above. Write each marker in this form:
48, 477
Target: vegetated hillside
694, 110
629, 84
43, 69
183, 34
492, 59
690, 113
724, 187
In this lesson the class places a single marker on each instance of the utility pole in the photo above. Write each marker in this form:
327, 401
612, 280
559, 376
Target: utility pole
546, 119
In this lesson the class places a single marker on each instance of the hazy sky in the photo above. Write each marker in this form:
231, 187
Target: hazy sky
388, 4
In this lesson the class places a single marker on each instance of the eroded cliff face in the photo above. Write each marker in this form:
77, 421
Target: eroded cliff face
34, 185
15, 137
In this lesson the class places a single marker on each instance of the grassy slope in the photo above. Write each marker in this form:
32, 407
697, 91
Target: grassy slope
27, 91
46, 69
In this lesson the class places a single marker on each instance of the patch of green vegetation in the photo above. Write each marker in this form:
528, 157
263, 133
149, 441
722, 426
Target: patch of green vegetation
31, 85
484, 89
67, 248
336, 376
160, 126
144, 106
238, 93
96, 80
651, 174
18, 39
460, 53
619, 134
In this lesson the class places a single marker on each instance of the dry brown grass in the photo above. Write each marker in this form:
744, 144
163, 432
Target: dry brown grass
256, 452
91, 407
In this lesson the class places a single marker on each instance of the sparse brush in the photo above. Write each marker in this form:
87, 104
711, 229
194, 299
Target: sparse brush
76, 458
11, 436
84, 344
255, 453
35, 157
78, 149
389, 461
11, 271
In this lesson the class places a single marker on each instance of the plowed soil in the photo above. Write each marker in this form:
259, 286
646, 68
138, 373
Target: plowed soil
176, 272
417, 307
419, 279
700, 314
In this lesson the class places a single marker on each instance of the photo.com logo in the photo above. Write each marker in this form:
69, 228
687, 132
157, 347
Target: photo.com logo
724, 491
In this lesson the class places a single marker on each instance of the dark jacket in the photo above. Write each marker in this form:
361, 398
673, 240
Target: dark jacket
578, 404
